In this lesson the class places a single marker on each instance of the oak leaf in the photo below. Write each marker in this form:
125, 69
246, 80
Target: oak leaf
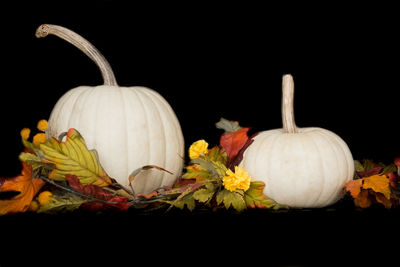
26, 185
70, 157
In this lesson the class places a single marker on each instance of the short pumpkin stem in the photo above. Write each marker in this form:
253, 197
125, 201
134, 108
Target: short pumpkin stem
83, 45
289, 125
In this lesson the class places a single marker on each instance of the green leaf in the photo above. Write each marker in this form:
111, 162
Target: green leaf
205, 194
73, 157
358, 166
234, 199
62, 203
227, 125
216, 169
255, 198
216, 155
187, 200
34, 161
390, 168
196, 172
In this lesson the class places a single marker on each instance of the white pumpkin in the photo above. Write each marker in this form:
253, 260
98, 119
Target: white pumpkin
128, 126
301, 167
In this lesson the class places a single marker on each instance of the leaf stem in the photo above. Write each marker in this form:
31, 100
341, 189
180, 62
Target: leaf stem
68, 189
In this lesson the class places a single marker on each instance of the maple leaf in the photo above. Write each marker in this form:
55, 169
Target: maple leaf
26, 185
111, 200
255, 198
234, 199
378, 183
369, 190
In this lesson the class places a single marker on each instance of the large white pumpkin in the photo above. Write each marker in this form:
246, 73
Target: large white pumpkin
301, 167
128, 126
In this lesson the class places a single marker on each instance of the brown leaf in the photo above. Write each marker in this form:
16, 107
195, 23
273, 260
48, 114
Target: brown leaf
145, 168
26, 185
363, 200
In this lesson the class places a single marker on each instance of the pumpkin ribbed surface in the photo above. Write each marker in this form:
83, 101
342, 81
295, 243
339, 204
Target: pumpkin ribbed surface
305, 169
129, 127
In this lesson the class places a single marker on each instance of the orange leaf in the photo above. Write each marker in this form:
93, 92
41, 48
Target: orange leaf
232, 142
26, 185
354, 187
363, 200
383, 200
378, 183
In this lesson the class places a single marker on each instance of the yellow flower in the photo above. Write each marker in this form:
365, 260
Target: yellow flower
25, 133
198, 148
42, 125
44, 197
34, 206
239, 179
39, 139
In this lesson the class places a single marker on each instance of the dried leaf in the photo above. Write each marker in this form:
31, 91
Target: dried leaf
145, 168
26, 185
111, 200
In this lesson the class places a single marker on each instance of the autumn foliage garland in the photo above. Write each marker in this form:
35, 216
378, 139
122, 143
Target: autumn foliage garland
212, 179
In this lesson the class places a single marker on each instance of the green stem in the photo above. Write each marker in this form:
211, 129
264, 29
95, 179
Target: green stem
75, 192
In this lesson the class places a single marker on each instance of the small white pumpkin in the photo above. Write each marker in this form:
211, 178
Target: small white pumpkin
129, 126
301, 167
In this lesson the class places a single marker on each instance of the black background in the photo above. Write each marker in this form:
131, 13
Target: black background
210, 61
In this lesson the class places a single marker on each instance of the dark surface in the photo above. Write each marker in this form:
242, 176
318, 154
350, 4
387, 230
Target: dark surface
211, 61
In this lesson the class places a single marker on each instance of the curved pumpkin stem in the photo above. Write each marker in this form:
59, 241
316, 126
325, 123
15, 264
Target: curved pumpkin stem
83, 45
289, 125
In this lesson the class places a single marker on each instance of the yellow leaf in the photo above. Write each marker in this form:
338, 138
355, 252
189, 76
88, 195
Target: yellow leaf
378, 183
73, 157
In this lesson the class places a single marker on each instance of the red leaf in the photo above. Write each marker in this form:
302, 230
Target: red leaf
233, 142
97, 192
370, 172
239, 157
394, 179
397, 161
